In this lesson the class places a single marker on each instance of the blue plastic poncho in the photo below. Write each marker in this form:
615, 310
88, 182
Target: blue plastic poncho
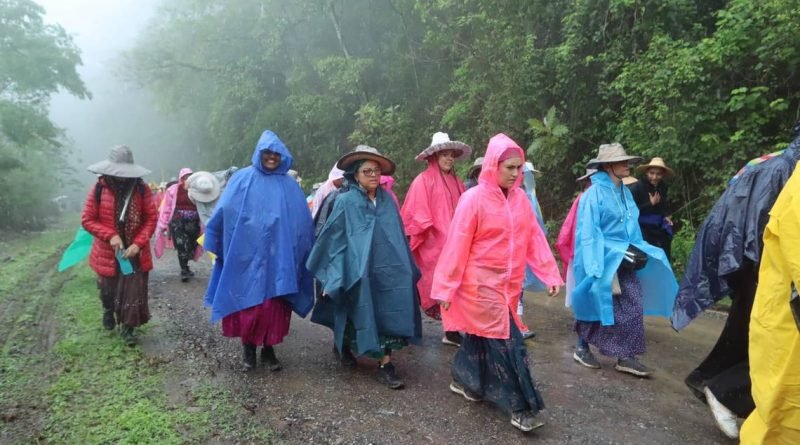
363, 261
608, 221
532, 282
261, 232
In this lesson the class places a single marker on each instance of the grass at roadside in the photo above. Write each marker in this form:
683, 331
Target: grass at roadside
63, 379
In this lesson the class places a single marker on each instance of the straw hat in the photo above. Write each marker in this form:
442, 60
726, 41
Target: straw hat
655, 163
119, 164
589, 172
475, 166
365, 152
440, 142
628, 180
609, 153
203, 187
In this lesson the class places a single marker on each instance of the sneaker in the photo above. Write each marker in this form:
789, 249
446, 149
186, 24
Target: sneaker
525, 421
248, 357
452, 338
347, 358
127, 335
528, 334
268, 358
388, 376
632, 366
725, 419
469, 395
108, 319
586, 358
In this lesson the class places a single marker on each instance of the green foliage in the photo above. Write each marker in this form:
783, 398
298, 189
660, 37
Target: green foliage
682, 245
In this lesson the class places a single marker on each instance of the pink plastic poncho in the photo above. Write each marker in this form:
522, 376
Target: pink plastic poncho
490, 241
565, 246
325, 189
427, 212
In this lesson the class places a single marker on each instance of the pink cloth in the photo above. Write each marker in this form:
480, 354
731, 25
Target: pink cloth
490, 241
165, 213
325, 189
266, 324
387, 183
427, 213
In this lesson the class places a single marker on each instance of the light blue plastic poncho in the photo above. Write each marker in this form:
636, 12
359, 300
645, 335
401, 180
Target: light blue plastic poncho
607, 224
532, 282
261, 232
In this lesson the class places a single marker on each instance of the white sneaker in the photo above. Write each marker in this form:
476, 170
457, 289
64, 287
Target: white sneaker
725, 419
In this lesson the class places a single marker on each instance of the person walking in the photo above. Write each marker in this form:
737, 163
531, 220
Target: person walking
179, 220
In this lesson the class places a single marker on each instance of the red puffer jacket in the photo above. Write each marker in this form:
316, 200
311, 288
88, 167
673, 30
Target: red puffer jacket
98, 219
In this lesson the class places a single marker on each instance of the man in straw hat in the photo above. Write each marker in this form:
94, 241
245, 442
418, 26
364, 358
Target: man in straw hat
427, 212
119, 212
364, 265
654, 206
613, 267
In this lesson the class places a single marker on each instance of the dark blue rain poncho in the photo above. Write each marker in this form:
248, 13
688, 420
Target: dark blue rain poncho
362, 258
261, 232
731, 235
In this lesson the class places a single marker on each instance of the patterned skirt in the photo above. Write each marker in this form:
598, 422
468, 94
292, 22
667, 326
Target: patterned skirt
266, 324
625, 338
185, 229
127, 295
497, 370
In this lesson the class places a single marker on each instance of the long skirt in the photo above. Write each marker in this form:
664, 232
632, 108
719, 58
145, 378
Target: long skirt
266, 324
127, 296
497, 370
185, 229
625, 338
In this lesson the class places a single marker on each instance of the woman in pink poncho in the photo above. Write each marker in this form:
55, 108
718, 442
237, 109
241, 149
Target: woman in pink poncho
427, 212
493, 236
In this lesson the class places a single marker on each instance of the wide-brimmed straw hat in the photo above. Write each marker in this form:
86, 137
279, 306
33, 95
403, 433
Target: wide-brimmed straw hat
655, 163
365, 152
119, 164
589, 172
628, 180
610, 153
475, 166
203, 187
440, 142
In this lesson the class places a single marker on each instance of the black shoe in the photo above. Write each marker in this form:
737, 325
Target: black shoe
268, 358
248, 357
388, 376
127, 335
347, 358
586, 358
632, 366
452, 338
525, 421
469, 395
185, 274
189, 271
108, 319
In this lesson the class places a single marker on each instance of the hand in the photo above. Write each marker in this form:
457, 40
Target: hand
669, 220
655, 198
553, 290
131, 251
116, 243
445, 305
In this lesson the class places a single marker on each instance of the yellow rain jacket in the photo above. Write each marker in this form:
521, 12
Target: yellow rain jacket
774, 339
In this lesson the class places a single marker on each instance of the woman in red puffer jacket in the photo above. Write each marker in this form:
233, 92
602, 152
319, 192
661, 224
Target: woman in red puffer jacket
121, 215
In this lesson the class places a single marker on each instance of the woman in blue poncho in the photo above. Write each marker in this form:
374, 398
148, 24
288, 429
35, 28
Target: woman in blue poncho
363, 262
261, 233
619, 277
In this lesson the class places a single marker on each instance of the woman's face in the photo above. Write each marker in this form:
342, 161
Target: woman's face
655, 175
368, 175
184, 183
508, 171
446, 159
270, 160
620, 169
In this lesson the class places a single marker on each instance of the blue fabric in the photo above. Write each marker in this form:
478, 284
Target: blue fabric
261, 232
77, 251
362, 259
607, 223
532, 282
659, 221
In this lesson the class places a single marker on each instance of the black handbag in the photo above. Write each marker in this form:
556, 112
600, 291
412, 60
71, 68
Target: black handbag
634, 259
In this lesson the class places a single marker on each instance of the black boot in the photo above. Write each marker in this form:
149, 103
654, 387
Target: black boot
388, 376
185, 272
348, 359
127, 335
248, 357
268, 358
108, 319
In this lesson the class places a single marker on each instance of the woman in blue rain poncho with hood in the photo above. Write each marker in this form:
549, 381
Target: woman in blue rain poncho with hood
261, 233
368, 276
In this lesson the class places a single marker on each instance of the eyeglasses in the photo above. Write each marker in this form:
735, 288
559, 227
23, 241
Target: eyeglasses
371, 172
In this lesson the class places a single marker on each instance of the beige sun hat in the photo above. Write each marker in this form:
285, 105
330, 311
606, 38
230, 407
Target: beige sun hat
628, 180
655, 163
365, 152
475, 166
203, 187
589, 172
119, 164
609, 153
440, 142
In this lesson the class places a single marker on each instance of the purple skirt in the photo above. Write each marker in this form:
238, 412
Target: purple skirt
625, 338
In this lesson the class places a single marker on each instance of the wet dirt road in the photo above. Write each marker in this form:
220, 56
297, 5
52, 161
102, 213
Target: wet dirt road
314, 400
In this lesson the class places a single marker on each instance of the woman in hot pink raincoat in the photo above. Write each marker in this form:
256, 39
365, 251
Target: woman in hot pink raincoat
493, 236
179, 220
427, 212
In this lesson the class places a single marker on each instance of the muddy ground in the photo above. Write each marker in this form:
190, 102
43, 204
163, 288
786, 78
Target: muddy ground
314, 400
